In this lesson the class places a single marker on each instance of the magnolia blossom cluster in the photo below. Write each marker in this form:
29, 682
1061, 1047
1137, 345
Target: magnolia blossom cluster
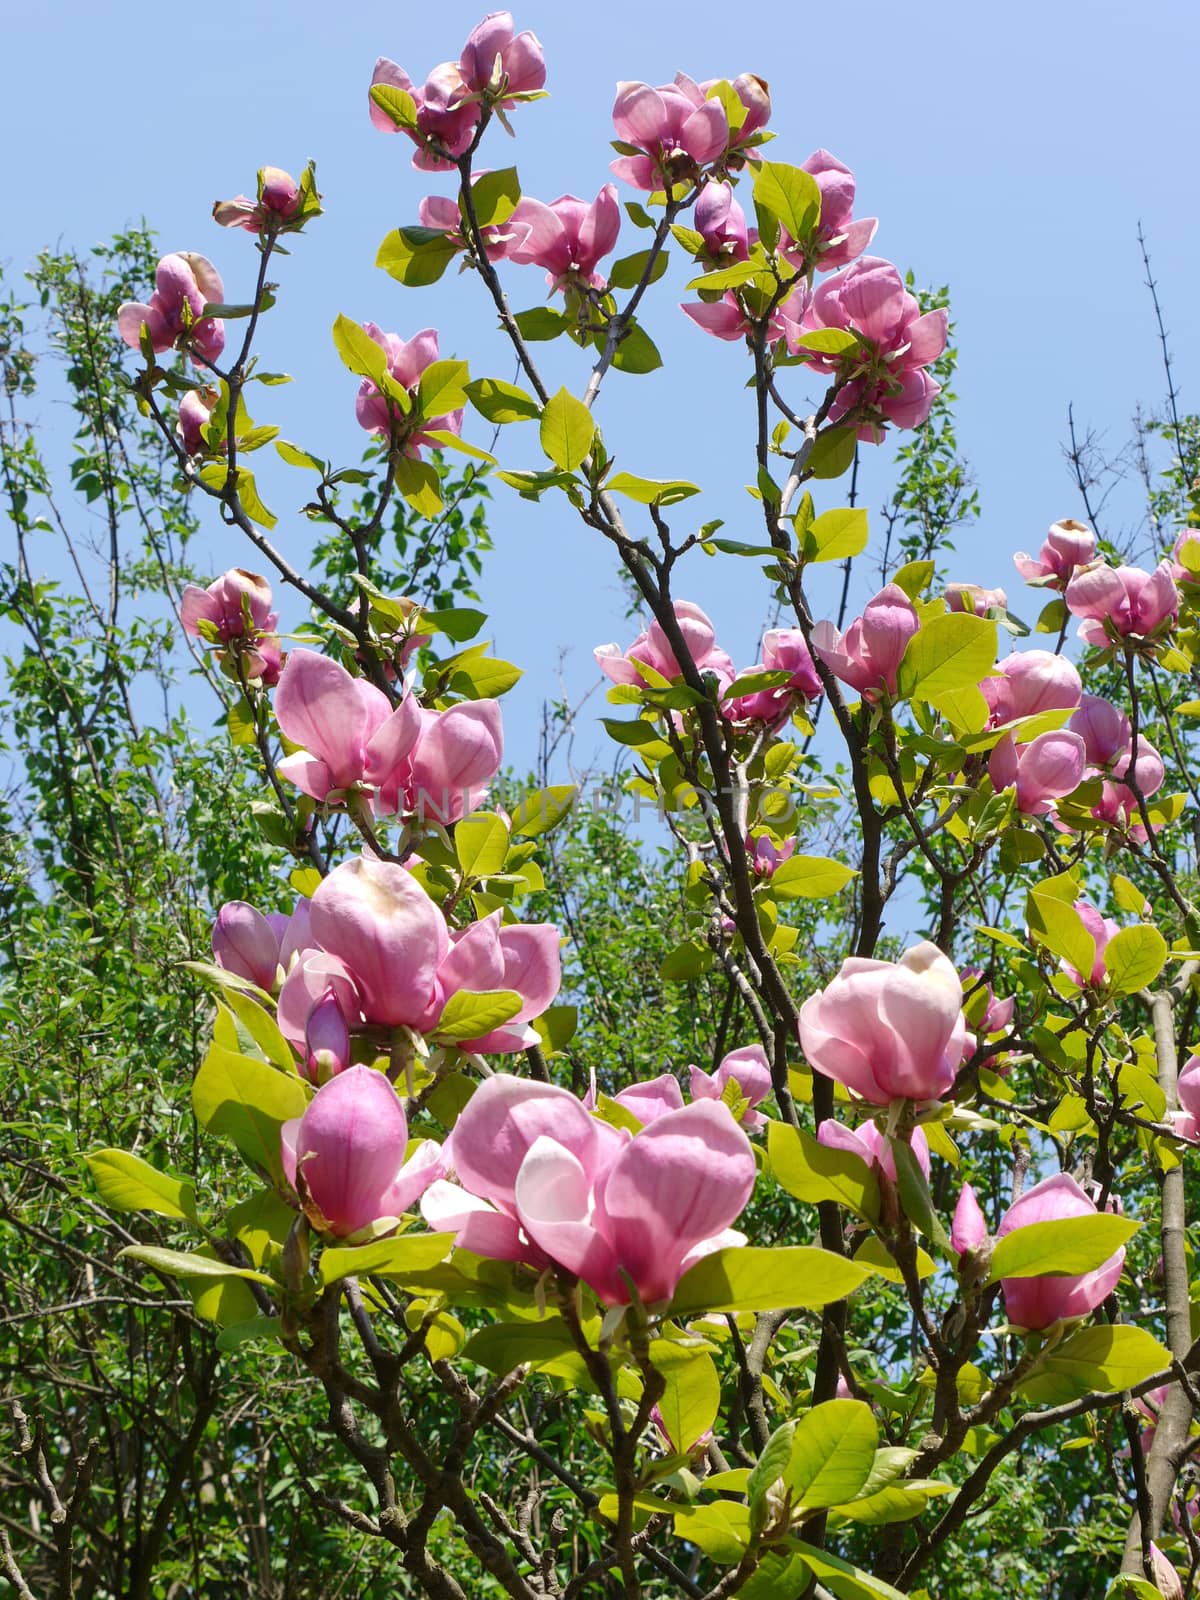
277, 204
539, 1180
235, 612
742, 1078
408, 760
407, 359
1124, 605
372, 953
496, 64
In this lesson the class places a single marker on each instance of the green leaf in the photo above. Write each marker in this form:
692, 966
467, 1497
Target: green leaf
442, 388
501, 402
692, 1396
541, 323
773, 1462
358, 350
222, 1300
1066, 1247
396, 103
843, 1580
1126, 1586
748, 1278
567, 431
542, 810
1134, 958
420, 485
688, 960
833, 1452
651, 491
833, 452
495, 196
403, 1255
242, 1099
259, 1026
809, 878
128, 1183
240, 721
950, 652
897, 1502
470, 1014
627, 272
814, 1172
1054, 922
829, 341
295, 457
915, 1199
837, 534
252, 1331
789, 195
484, 678
557, 1026
913, 577
481, 844
636, 353
179, 1264
1095, 1360
416, 256
732, 277
721, 1530
630, 733
505, 1345
459, 623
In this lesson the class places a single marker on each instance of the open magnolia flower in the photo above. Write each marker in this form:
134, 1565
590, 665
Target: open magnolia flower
542, 1181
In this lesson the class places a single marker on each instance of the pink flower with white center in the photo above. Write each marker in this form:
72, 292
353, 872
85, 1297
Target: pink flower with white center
784, 650
652, 650
748, 1070
896, 340
568, 237
1045, 770
345, 1157
494, 58
1118, 604
840, 238
888, 1030
871, 1146
1068, 546
541, 1181
1038, 1302
407, 359
1029, 681
765, 855
674, 131
868, 655
278, 202
447, 115
381, 945
184, 283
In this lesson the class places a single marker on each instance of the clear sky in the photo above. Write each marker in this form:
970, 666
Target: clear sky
1008, 150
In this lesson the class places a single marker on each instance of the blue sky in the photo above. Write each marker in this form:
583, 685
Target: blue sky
1008, 151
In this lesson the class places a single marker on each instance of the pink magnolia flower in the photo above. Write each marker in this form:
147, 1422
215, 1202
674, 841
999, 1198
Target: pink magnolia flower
407, 360
839, 238
974, 600
447, 115
1037, 1302
442, 213
726, 318
646, 1101
1068, 545
1118, 603
278, 202
236, 603
568, 237
184, 283
721, 223
969, 1230
345, 1156
1043, 771
494, 58
867, 656
415, 761
326, 1039
1108, 742
765, 855
195, 411
1187, 1119
1030, 681
1188, 540
541, 1181
784, 650
1102, 929
651, 650
748, 1069
897, 342
1167, 1581
382, 946
755, 98
871, 1146
256, 945
983, 1011
674, 129
888, 1030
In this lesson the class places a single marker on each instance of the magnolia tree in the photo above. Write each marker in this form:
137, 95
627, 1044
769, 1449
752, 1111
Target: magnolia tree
748, 1328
